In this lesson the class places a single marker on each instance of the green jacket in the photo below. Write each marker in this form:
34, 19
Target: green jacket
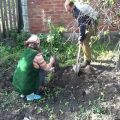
26, 77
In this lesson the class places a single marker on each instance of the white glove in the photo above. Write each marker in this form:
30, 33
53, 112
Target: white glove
52, 60
52, 69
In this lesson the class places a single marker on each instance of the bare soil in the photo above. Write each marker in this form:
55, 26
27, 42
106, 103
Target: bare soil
93, 96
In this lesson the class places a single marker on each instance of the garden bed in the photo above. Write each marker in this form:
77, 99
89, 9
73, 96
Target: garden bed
67, 96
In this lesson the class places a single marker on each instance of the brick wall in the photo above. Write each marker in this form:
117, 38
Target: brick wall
51, 8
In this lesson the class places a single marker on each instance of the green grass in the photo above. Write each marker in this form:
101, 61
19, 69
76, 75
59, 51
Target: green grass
100, 47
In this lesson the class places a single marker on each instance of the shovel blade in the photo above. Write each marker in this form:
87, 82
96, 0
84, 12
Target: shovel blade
76, 68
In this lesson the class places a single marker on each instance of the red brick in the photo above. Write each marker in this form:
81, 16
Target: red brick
52, 8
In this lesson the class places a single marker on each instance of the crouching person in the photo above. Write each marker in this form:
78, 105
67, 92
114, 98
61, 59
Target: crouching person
31, 70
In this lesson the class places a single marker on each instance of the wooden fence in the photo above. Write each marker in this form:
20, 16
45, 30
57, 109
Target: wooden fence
9, 16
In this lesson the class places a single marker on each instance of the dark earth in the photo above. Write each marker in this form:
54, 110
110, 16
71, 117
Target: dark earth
94, 96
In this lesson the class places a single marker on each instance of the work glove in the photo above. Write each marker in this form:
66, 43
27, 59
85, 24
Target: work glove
52, 60
80, 42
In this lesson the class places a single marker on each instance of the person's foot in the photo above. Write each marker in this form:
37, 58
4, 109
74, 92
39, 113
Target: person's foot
88, 69
33, 96
87, 62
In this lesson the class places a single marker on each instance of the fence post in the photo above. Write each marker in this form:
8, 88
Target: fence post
8, 16
20, 16
2, 18
25, 15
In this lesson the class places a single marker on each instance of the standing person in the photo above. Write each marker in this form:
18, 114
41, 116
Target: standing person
31, 70
86, 17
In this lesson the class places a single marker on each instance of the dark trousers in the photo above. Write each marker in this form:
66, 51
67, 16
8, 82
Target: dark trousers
42, 76
42, 80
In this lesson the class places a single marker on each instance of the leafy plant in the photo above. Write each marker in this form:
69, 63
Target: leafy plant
9, 55
54, 44
96, 108
18, 38
109, 2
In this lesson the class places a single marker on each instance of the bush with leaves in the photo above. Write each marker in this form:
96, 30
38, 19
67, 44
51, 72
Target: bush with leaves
54, 44
18, 38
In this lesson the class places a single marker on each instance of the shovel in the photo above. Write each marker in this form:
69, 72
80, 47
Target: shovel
76, 67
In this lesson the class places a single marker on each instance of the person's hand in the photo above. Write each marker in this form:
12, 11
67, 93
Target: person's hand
52, 60
88, 69
80, 43
52, 69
